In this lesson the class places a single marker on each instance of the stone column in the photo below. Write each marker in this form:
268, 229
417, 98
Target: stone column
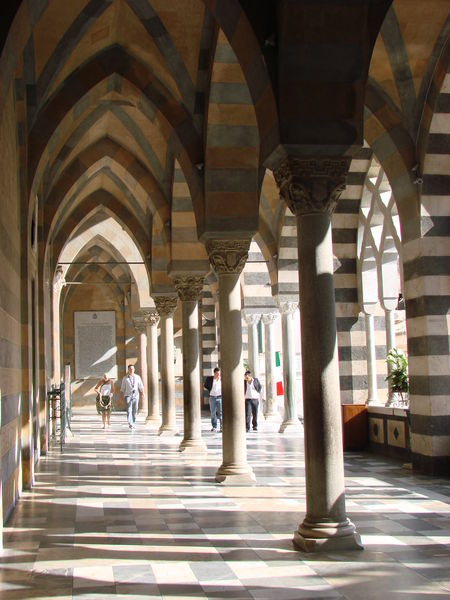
390, 329
189, 289
372, 397
311, 188
271, 410
390, 343
58, 283
228, 259
253, 356
290, 420
166, 306
141, 328
151, 319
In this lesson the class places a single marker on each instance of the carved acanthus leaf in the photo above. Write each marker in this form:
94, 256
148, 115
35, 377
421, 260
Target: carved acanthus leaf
312, 185
166, 305
228, 256
189, 288
151, 316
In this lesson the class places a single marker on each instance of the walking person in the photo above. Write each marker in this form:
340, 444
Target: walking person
252, 387
213, 384
104, 390
130, 390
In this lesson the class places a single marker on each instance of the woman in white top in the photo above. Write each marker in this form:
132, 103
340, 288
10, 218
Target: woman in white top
105, 391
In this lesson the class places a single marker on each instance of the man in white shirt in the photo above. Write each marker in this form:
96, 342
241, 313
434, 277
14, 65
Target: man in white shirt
252, 388
213, 384
130, 390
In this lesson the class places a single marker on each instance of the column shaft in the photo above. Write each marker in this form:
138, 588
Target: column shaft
325, 491
371, 360
189, 289
166, 306
311, 187
153, 417
234, 464
228, 259
142, 349
271, 410
252, 333
390, 343
290, 420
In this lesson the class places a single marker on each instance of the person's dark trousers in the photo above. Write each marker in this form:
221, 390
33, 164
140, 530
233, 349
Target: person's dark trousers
251, 410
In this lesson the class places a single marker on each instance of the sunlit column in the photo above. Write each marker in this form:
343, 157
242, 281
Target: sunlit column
271, 410
290, 419
58, 283
151, 318
189, 289
252, 320
166, 306
228, 259
141, 368
311, 188
372, 397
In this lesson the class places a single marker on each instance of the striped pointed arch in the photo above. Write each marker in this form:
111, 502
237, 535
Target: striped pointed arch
114, 60
232, 148
104, 205
188, 254
100, 224
76, 174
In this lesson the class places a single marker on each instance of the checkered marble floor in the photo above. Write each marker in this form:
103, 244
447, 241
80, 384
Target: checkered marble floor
123, 514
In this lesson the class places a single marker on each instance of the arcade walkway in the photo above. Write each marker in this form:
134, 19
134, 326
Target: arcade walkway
124, 515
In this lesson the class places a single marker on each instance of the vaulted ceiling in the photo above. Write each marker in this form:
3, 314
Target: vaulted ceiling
164, 116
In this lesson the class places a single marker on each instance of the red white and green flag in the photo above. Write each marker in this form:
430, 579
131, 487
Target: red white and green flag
279, 374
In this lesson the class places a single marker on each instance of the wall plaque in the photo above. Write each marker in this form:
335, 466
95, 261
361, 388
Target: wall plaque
95, 344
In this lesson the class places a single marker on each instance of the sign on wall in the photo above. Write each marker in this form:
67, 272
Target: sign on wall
95, 344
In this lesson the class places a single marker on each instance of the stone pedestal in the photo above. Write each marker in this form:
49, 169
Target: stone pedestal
166, 306
311, 188
189, 289
228, 259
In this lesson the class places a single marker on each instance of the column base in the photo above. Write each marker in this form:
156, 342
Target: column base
291, 425
234, 475
193, 447
153, 422
372, 400
272, 417
324, 537
167, 431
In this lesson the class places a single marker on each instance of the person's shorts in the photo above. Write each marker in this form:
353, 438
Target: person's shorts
103, 403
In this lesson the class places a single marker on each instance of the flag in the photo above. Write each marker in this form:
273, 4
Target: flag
279, 375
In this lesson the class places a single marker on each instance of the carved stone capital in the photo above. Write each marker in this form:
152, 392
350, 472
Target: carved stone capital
58, 281
139, 323
288, 308
312, 185
269, 318
166, 305
189, 287
251, 318
151, 316
228, 256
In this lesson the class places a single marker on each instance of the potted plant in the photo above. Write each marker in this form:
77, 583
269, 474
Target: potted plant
397, 376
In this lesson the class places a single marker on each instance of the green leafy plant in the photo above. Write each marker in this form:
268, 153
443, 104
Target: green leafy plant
398, 372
